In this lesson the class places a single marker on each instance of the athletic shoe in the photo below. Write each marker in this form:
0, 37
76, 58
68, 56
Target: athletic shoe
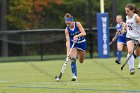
118, 62
135, 56
139, 66
132, 71
74, 78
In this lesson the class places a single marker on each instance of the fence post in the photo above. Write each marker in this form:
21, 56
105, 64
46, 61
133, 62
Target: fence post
41, 45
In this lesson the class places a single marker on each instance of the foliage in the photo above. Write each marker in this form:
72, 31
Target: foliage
79, 8
34, 14
27, 14
121, 5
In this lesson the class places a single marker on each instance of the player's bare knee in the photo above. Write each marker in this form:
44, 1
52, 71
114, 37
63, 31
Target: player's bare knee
73, 59
130, 51
119, 49
81, 60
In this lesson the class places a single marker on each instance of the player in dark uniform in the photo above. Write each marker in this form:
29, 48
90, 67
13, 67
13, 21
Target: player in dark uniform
74, 32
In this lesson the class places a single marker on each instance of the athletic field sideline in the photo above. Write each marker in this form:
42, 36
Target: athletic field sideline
94, 76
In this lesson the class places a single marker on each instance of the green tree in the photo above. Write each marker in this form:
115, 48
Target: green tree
121, 5
27, 14
31, 14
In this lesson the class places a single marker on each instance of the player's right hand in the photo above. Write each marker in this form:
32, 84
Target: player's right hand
123, 31
113, 39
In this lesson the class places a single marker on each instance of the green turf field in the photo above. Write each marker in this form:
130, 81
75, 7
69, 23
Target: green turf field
94, 76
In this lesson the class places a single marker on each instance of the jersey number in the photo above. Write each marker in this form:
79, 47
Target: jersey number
130, 27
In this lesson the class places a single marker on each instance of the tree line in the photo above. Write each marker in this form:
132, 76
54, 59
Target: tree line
41, 14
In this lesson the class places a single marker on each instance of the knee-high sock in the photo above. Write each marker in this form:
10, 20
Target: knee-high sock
119, 55
130, 61
73, 67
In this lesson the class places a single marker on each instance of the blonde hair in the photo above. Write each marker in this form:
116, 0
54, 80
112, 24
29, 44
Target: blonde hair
119, 16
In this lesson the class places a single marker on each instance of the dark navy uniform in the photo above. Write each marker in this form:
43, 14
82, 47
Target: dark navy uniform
81, 42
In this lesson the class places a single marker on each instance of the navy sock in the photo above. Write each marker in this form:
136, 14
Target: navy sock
73, 67
119, 55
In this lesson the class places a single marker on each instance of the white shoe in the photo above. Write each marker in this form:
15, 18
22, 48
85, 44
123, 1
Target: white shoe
74, 78
132, 71
139, 66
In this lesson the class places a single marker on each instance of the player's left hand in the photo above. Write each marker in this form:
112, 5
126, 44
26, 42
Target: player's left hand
75, 38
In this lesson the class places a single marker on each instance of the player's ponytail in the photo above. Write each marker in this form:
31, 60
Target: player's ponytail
68, 15
136, 10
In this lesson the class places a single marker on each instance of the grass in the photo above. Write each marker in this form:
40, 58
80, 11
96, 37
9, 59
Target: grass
94, 76
44, 57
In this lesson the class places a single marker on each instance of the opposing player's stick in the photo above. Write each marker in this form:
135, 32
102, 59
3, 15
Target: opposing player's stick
111, 42
116, 36
129, 56
57, 78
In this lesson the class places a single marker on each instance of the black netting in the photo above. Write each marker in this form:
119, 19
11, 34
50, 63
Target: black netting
32, 43
41, 44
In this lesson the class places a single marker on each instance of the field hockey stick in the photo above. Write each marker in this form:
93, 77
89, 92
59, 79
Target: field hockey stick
111, 42
129, 56
116, 36
57, 78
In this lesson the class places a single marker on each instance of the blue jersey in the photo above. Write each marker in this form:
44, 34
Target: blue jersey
81, 42
119, 28
121, 37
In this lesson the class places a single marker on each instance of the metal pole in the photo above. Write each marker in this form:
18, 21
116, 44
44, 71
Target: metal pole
90, 28
41, 45
4, 27
102, 6
114, 14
